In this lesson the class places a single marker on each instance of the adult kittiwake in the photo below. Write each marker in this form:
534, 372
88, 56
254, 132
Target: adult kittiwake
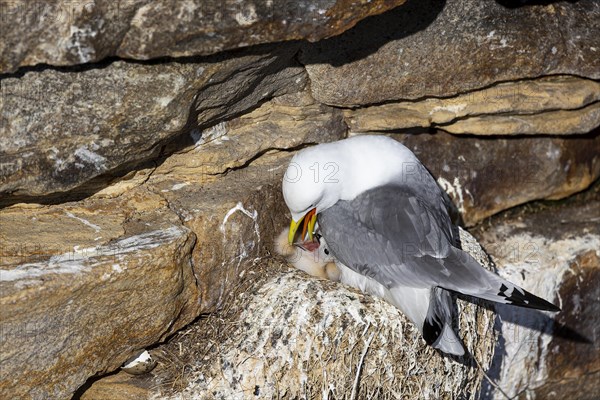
387, 224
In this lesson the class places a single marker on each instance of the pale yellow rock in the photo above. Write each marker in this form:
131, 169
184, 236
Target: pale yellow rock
119, 387
84, 285
281, 124
507, 102
562, 122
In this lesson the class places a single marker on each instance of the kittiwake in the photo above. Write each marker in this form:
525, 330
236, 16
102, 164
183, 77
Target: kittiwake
387, 224
312, 257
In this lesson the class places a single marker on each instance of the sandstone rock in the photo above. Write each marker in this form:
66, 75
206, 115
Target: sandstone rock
119, 271
440, 49
83, 286
284, 123
61, 129
553, 253
548, 123
118, 387
290, 335
574, 371
74, 32
521, 107
486, 176
238, 211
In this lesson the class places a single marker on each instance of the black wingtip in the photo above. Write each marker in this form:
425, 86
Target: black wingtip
432, 331
527, 300
530, 300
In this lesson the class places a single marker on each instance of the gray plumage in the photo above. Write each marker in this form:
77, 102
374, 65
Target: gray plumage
396, 238
410, 243
387, 224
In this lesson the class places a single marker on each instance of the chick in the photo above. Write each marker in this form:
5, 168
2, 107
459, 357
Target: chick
312, 257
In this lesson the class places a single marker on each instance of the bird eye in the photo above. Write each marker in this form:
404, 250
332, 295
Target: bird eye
326, 251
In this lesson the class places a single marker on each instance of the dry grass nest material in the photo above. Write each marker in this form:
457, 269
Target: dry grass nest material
284, 334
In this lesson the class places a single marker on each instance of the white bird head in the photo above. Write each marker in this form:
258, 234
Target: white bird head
320, 176
311, 184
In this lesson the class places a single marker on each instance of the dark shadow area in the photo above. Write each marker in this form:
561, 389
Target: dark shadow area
529, 318
87, 188
259, 49
521, 318
373, 32
90, 381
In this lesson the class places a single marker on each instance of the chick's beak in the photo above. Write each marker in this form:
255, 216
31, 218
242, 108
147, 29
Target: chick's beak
308, 225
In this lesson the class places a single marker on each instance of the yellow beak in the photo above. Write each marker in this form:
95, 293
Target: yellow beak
309, 219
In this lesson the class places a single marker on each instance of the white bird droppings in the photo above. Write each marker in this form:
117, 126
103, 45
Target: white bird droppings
84, 221
240, 207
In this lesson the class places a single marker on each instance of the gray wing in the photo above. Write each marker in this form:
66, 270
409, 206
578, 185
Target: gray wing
400, 239
387, 232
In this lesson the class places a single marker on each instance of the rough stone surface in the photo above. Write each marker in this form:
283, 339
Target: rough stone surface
231, 198
575, 371
148, 254
172, 168
534, 106
553, 253
546, 123
442, 48
121, 386
61, 129
577, 376
292, 336
83, 286
283, 123
69, 32
485, 176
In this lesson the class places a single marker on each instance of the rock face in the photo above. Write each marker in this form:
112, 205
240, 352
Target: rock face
69, 312
486, 176
146, 255
555, 252
60, 129
575, 371
142, 189
549, 105
69, 32
232, 201
118, 387
422, 50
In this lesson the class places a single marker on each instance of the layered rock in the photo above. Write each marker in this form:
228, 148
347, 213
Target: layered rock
85, 285
62, 129
147, 254
246, 208
120, 386
548, 105
172, 168
70, 32
554, 253
440, 49
485, 176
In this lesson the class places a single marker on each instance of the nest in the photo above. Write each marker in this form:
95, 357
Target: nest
284, 334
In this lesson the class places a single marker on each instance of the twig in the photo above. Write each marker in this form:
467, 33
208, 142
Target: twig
354, 394
490, 380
